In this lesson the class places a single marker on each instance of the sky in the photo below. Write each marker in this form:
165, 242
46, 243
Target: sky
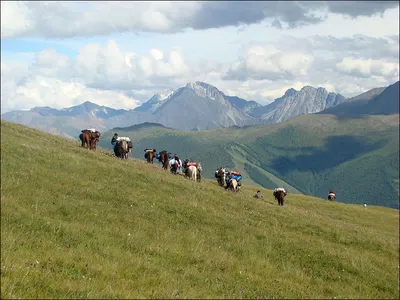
119, 54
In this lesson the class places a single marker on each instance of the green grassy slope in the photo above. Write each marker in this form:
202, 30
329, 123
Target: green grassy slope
310, 154
82, 224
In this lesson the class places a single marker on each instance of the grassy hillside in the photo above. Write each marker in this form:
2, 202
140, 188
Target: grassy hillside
82, 224
310, 154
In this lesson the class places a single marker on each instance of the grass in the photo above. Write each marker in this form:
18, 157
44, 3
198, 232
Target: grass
82, 224
309, 154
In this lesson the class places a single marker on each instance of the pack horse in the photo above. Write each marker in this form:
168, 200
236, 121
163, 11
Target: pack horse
89, 138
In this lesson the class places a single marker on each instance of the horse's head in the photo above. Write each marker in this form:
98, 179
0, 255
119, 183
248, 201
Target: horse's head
199, 167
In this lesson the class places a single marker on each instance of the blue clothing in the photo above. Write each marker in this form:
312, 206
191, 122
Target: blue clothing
236, 177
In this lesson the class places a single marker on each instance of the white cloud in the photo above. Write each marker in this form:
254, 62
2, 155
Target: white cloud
267, 62
45, 91
368, 67
112, 68
103, 75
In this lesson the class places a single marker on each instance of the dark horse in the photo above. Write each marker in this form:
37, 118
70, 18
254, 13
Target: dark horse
331, 198
121, 149
149, 155
220, 175
164, 159
280, 196
89, 139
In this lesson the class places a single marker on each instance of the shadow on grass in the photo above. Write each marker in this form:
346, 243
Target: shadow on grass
337, 149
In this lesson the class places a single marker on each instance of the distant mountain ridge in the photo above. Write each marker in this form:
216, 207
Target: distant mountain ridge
379, 101
293, 103
196, 106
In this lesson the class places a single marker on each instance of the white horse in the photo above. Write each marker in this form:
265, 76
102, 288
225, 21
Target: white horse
234, 185
191, 172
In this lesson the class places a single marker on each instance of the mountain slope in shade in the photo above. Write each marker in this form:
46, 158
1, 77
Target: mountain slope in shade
243, 105
306, 101
379, 101
384, 104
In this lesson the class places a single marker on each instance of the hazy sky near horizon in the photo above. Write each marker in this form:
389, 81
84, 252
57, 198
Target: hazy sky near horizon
119, 54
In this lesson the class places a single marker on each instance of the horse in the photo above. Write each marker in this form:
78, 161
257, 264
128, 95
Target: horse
191, 172
234, 186
85, 138
95, 138
89, 139
220, 175
331, 197
164, 159
280, 196
121, 149
150, 156
199, 171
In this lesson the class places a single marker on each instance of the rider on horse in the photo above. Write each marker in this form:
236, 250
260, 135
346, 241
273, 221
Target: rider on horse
114, 140
174, 164
331, 194
233, 175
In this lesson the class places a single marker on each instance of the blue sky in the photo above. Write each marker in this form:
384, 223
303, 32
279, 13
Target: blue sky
119, 54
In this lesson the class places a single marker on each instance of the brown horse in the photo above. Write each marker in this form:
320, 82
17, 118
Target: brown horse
121, 149
164, 159
95, 138
280, 196
149, 155
85, 138
89, 139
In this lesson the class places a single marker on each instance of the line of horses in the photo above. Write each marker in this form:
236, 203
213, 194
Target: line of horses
192, 170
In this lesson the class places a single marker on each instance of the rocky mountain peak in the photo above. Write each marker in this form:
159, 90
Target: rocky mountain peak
205, 90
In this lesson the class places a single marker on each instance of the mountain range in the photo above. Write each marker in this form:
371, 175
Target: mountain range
196, 106
307, 141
